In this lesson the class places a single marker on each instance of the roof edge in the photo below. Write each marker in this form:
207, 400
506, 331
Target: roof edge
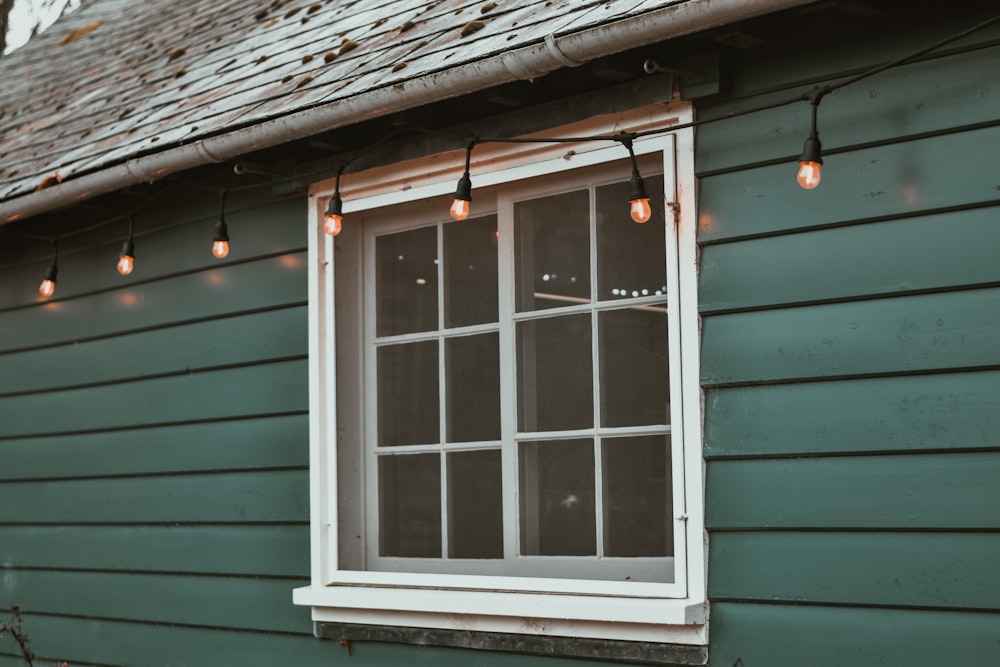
554, 52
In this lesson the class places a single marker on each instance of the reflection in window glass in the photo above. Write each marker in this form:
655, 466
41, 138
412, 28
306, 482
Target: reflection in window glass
475, 505
552, 251
410, 506
406, 282
554, 374
556, 486
472, 365
470, 272
633, 354
408, 394
637, 499
631, 258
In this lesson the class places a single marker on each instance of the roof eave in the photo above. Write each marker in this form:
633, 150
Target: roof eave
554, 52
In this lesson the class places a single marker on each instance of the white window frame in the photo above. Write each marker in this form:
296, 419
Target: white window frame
668, 613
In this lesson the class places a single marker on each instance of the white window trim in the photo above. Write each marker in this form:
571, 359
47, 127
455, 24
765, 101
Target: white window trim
610, 610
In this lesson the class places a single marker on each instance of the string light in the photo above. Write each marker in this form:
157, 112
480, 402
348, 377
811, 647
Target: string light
333, 220
126, 258
809, 173
638, 199
48, 286
812, 152
220, 242
463, 194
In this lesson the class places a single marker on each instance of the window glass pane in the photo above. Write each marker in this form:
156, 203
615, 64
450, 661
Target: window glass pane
473, 387
554, 374
409, 491
406, 282
408, 394
635, 387
556, 484
637, 498
470, 272
552, 251
631, 258
475, 505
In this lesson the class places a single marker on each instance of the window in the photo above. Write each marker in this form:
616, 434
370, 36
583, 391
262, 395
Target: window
506, 414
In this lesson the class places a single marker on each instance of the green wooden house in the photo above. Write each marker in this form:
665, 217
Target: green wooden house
641, 399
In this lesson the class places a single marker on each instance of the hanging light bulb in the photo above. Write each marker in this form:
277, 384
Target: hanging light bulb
638, 199
48, 286
639, 207
220, 241
463, 194
126, 258
812, 152
333, 220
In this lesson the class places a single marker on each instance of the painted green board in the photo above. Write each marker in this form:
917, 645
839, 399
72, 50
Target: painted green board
929, 332
879, 109
760, 635
274, 550
262, 442
273, 388
943, 570
164, 245
932, 491
921, 253
896, 179
238, 497
226, 341
105, 642
223, 602
941, 411
261, 284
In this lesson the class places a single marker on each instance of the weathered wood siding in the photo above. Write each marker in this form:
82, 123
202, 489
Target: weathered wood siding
849, 358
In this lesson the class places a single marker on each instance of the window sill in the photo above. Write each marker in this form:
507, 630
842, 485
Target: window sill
647, 620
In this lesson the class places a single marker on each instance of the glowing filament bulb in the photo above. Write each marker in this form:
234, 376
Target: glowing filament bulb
125, 264
47, 288
640, 210
333, 219
460, 209
220, 242
809, 174
333, 223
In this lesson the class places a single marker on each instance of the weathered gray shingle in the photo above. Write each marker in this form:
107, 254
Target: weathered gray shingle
155, 74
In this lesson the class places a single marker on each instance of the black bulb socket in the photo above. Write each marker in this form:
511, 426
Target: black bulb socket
464, 190
128, 249
336, 205
638, 188
52, 272
812, 150
221, 231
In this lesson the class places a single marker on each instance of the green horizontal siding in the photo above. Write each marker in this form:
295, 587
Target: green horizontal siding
905, 334
762, 635
236, 549
931, 491
889, 180
885, 258
941, 570
250, 604
880, 109
220, 394
280, 496
172, 236
230, 340
940, 411
110, 642
259, 442
210, 293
